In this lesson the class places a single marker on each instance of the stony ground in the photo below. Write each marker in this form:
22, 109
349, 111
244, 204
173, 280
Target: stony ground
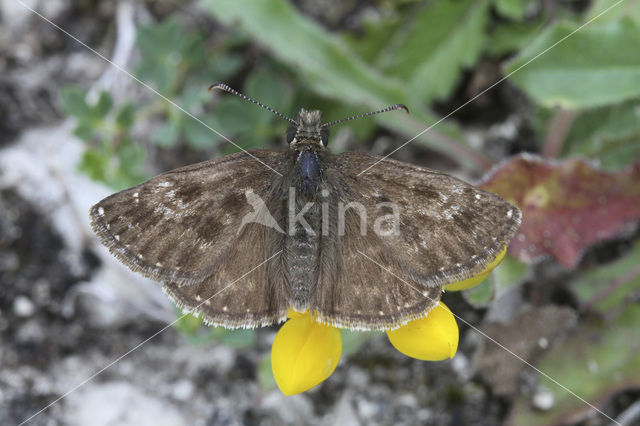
86, 339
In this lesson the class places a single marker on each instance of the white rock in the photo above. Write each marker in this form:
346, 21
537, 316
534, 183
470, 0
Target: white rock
119, 403
543, 399
23, 306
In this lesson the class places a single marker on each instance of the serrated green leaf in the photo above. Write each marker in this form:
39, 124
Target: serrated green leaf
596, 66
73, 102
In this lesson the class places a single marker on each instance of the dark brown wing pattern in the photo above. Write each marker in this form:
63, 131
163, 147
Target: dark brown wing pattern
184, 228
448, 231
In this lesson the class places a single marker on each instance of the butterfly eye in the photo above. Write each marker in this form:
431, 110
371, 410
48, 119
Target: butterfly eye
324, 136
291, 134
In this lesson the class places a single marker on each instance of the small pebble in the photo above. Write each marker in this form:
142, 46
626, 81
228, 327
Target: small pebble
543, 399
23, 307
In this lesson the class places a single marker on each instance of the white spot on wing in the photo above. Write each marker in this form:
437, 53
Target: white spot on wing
164, 184
100, 211
510, 214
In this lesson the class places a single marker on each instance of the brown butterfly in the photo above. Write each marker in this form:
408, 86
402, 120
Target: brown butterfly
243, 238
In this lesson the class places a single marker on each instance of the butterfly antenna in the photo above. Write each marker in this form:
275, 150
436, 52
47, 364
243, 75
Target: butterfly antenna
387, 109
246, 98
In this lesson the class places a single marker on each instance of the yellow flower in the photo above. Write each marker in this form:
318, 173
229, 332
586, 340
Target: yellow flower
477, 279
306, 352
432, 338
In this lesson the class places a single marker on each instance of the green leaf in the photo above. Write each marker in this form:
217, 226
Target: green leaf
265, 374
352, 340
443, 38
608, 287
167, 134
197, 135
331, 69
266, 86
603, 10
188, 324
509, 272
481, 294
157, 74
94, 164
376, 32
84, 130
608, 134
598, 360
73, 102
125, 116
103, 105
236, 338
512, 9
511, 37
595, 66
157, 40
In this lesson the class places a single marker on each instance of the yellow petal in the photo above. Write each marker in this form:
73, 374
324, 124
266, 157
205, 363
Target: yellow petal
304, 354
432, 338
477, 279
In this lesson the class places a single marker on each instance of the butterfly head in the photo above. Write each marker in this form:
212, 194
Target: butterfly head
308, 130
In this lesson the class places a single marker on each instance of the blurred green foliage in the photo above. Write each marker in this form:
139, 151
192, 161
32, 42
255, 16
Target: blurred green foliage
412, 52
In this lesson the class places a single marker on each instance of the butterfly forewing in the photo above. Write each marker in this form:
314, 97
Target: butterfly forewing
178, 226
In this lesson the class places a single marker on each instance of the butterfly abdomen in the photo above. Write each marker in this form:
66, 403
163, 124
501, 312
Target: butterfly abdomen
302, 253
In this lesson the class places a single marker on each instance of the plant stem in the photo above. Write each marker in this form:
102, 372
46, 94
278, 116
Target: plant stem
557, 132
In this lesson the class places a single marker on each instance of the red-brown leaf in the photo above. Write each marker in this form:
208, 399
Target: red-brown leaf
566, 205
